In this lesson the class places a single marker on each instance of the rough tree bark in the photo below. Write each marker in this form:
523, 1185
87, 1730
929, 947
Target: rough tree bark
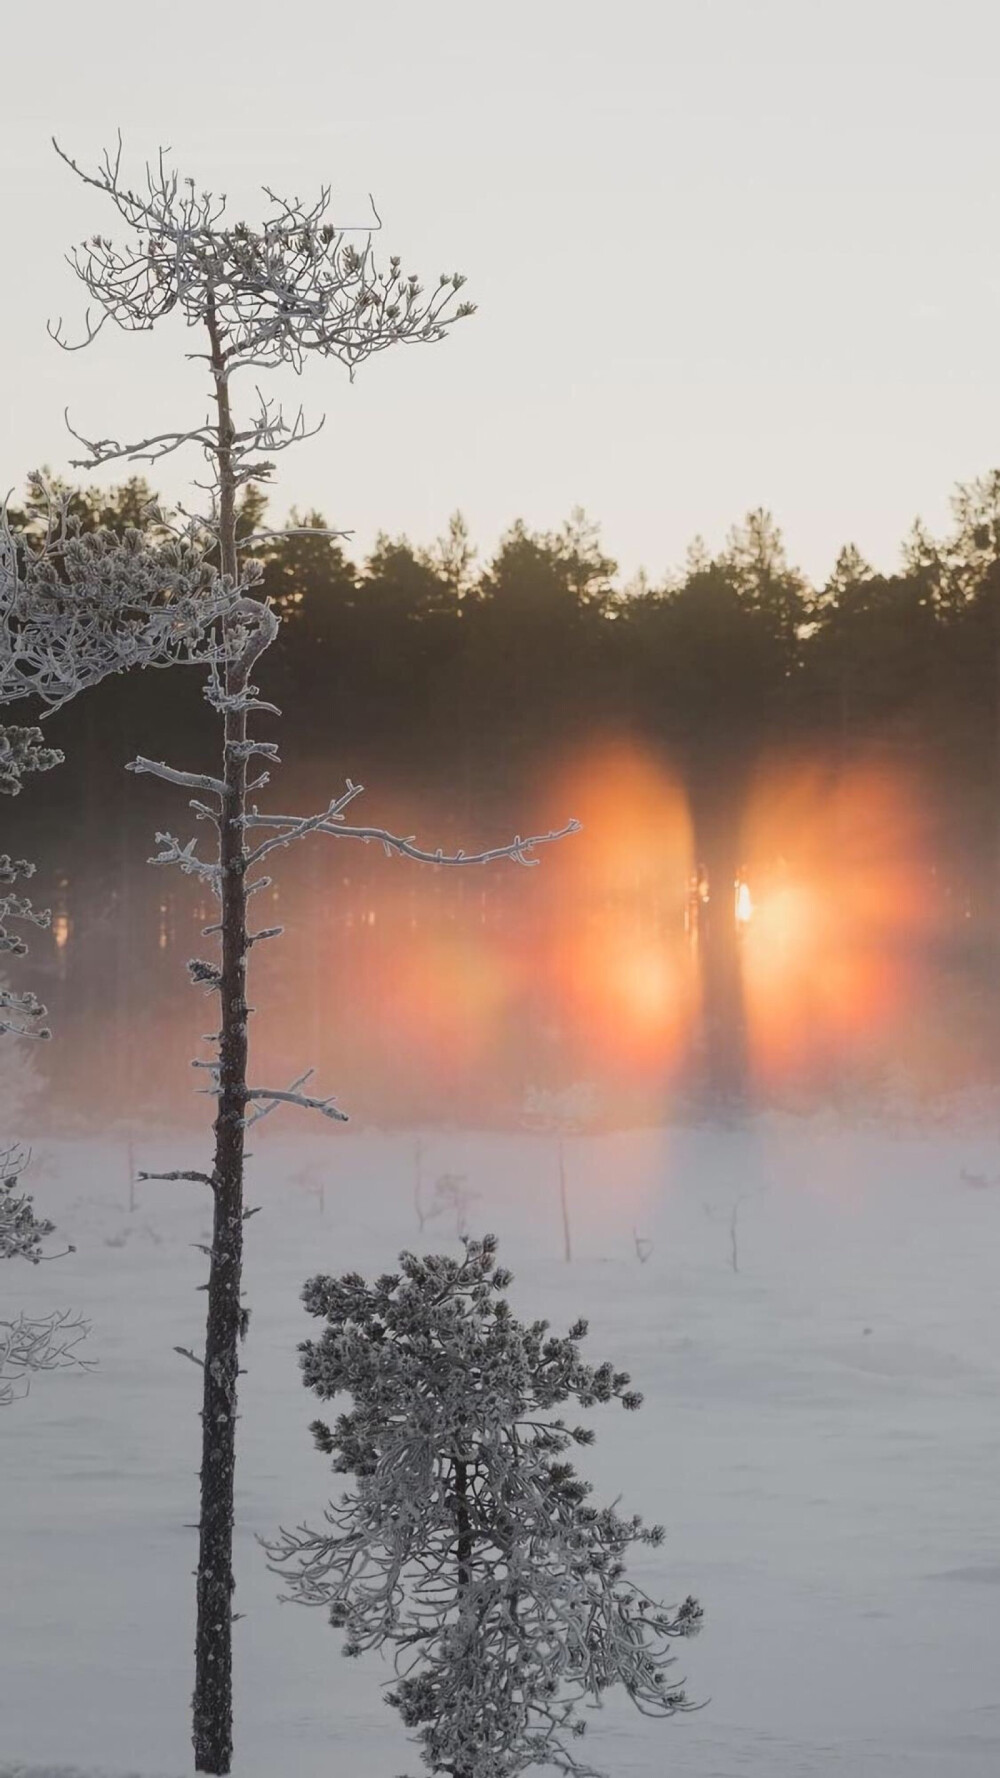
215, 1585
463, 1551
213, 1693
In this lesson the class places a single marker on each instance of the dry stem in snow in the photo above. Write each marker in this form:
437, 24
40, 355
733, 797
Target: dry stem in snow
33, 1343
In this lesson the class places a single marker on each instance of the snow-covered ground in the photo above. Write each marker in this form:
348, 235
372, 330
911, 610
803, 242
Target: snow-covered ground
820, 1437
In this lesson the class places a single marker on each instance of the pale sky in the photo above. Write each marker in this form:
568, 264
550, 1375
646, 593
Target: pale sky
727, 253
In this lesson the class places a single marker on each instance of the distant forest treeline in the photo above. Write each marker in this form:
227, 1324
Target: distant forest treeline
426, 671
734, 649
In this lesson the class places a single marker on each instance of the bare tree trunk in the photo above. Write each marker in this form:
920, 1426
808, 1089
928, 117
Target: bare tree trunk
213, 1706
213, 1693
464, 1553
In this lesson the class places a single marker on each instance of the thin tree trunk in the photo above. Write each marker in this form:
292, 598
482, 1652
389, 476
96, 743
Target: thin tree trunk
213, 1712
213, 1694
213, 1644
464, 1554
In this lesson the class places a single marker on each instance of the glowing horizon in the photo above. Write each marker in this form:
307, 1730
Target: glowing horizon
698, 260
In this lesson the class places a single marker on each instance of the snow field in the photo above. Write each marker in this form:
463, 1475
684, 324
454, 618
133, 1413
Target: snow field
815, 1330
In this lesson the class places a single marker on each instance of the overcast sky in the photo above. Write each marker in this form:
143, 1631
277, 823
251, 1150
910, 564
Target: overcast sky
727, 253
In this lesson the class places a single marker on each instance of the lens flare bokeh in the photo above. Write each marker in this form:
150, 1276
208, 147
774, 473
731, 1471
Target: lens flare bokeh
612, 944
840, 915
835, 941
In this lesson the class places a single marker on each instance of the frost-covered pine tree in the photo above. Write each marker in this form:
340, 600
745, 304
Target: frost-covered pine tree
28, 1343
469, 1546
254, 299
21, 751
21, 1231
74, 608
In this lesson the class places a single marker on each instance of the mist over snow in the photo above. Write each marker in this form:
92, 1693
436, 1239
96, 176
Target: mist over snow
809, 1309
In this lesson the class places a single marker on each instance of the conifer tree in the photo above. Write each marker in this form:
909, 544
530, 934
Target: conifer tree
469, 1545
28, 1343
257, 298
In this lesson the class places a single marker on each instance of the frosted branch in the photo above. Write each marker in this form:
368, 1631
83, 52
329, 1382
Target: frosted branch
301, 826
296, 826
291, 287
33, 1343
169, 774
181, 1173
247, 749
269, 1098
293, 531
21, 1231
146, 450
22, 751
186, 859
77, 606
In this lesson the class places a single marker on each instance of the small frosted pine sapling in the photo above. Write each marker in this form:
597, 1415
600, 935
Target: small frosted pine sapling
468, 1545
28, 1343
21, 1231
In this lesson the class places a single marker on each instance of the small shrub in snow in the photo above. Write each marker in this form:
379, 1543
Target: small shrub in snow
28, 1343
21, 1231
469, 1545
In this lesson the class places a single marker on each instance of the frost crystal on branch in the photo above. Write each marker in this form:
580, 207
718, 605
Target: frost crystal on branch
469, 1545
22, 750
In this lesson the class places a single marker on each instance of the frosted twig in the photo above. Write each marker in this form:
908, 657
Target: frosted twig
170, 775
33, 1343
180, 1173
146, 450
272, 1097
186, 859
296, 826
302, 825
292, 288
